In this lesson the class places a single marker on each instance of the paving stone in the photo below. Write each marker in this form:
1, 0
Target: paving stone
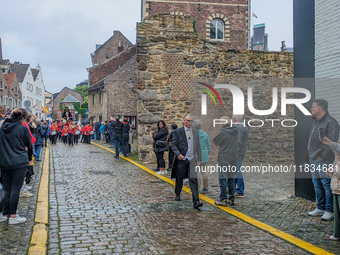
126, 210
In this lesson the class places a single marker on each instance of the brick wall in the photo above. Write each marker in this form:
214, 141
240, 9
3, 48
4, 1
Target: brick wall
327, 53
233, 13
171, 61
99, 72
110, 48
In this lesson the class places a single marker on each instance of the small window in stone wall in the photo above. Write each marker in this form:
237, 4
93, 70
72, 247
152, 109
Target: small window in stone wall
100, 98
107, 56
218, 27
94, 99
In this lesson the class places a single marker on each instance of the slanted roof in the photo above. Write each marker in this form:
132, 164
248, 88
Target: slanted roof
20, 70
9, 79
55, 95
70, 99
35, 73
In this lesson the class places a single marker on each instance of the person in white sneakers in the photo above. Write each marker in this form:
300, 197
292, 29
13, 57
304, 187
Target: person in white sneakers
321, 157
334, 173
15, 156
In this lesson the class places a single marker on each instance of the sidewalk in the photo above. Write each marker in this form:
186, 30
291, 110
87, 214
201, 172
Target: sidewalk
15, 239
270, 199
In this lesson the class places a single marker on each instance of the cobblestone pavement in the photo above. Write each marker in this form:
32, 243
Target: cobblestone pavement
14, 239
269, 198
101, 205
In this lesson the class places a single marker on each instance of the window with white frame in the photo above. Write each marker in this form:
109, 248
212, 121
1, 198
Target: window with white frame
217, 29
1, 100
1, 85
6, 101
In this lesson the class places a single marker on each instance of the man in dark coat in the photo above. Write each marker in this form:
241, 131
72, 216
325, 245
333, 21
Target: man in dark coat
186, 146
118, 137
320, 156
227, 141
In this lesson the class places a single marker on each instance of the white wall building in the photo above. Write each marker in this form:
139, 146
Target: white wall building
327, 54
32, 87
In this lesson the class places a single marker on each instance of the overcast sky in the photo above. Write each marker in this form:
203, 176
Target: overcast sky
60, 35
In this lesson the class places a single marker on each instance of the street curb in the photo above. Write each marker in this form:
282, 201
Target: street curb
289, 238
38, 245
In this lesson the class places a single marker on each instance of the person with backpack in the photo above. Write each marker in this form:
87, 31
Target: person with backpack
45, 130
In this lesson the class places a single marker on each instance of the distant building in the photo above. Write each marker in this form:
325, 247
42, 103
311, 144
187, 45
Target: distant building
59, 97
284, 48
113, 80
259, 40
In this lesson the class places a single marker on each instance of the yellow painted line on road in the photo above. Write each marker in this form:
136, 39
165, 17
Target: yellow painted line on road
38, 244
290, 238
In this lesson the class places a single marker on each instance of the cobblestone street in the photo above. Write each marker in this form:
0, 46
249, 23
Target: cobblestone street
101, 205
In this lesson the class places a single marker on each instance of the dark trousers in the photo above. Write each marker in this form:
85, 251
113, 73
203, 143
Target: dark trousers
187, 168
53, 139
107, 137
160, 159
112, 140
127, 145
64, 139
59, 135
46, 136
119, 144
82, 138
88, 139
171, 157
76, 137
70, 139
13, 180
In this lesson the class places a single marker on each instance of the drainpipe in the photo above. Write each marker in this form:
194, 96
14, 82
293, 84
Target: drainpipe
107, 101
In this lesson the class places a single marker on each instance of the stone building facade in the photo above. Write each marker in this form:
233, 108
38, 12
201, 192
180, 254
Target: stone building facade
61, 95
171, 61
113, 82
215, 20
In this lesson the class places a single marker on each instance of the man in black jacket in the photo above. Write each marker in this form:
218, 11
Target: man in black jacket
106, 132
320, 156
185, 145
227, 140
118, 136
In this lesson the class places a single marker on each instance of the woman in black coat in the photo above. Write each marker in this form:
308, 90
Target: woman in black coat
161, 144
15, 156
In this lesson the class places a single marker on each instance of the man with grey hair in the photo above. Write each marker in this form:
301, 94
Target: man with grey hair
185, 145
243, 138
320, 156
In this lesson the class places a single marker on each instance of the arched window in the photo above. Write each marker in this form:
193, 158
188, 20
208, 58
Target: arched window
217, 29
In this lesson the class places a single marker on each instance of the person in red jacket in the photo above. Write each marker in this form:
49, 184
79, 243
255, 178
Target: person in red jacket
88, 132
59, 129
64, 132
77, 133
54, 132
70, 131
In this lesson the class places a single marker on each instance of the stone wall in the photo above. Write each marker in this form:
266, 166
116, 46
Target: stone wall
171, 61
233, 13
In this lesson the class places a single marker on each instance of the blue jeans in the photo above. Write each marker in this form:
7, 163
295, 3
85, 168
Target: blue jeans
119, 144
239, 178
226, 179
37, 149
111, 137
322, 185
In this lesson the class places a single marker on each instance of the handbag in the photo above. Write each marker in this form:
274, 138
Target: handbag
77, 132
160, 143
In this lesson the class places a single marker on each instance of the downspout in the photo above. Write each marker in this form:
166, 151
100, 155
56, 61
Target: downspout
107, 101
250, 15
